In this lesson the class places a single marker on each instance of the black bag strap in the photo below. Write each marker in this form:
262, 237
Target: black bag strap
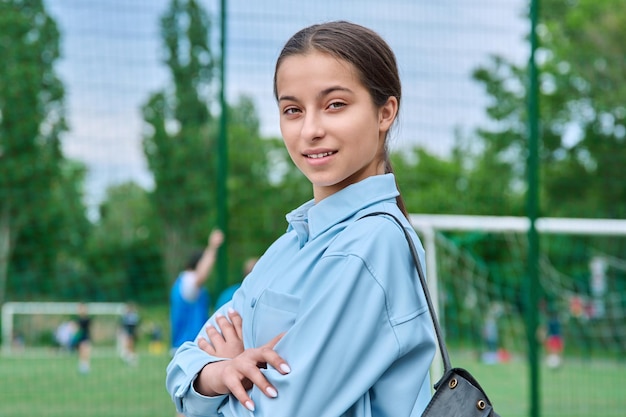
447, 366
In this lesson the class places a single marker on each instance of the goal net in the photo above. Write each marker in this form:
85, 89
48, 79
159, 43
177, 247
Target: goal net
477, 266
32, 326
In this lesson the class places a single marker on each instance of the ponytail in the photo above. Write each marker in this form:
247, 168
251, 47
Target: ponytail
399, 199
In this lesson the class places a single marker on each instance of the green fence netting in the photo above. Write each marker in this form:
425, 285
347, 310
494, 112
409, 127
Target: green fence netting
113, 168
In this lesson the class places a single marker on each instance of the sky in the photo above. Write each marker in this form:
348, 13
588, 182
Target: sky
112, 61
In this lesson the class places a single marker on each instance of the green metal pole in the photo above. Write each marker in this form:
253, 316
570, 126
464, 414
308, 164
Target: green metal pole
222, 159
533, 289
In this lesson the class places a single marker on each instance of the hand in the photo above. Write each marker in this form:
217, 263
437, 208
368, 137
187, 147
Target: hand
239, 374
216, 238
228, 343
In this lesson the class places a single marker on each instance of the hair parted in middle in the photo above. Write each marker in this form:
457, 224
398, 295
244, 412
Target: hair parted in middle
371, 56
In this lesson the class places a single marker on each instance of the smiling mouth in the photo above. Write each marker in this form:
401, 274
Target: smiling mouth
320, 155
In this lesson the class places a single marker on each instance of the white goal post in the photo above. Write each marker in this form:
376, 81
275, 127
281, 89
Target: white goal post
11, 309
427, 226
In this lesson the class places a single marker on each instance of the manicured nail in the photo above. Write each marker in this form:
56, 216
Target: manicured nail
285, 368
218, 315
231, 310
249, 405
271, 392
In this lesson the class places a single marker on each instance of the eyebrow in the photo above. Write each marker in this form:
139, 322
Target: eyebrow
322, 93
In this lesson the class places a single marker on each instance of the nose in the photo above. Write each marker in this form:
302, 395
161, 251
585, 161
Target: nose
312, 127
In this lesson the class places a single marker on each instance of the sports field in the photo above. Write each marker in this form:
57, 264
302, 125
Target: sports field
49, 385
579, 388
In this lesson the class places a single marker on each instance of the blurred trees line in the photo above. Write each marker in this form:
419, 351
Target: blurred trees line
49, 248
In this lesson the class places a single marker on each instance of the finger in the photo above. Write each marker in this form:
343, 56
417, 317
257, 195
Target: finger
214, 336
228, 330
257, 378
244, 373
206, 346
237, 322
273, 358
235, 385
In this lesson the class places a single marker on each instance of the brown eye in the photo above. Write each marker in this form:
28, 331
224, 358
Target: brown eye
336, 105
290, 110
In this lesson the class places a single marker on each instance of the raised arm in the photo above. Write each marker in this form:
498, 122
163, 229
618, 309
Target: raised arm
207, 261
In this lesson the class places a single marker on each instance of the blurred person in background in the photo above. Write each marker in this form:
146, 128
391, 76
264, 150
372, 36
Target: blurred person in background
227, 294
82, 338
554, 341
189, 298
129, 326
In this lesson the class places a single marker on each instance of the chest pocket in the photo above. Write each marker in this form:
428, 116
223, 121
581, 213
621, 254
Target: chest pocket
274, 313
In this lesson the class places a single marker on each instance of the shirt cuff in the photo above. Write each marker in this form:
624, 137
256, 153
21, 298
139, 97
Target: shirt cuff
198, 404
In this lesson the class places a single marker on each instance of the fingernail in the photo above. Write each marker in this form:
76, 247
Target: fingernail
218, 315
285, 368
249, 405
231, 310
272, 392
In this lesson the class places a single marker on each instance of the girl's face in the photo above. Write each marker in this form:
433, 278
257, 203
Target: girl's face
332, 130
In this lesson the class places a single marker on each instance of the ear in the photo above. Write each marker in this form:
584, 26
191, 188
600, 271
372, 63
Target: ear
387, 114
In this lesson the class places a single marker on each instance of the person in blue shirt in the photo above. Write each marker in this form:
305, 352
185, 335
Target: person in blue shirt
227, 294
189, 298
332, 321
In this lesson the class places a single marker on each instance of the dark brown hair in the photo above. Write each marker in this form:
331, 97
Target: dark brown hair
370, 55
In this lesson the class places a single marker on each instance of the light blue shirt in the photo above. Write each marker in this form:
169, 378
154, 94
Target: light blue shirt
359, 337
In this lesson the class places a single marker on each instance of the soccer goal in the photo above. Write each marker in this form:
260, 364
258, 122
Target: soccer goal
50, 325
476, 267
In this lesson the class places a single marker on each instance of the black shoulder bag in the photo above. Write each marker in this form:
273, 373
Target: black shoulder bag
457, 393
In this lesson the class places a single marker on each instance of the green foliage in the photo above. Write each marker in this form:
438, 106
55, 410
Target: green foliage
31, 120
181, 151
138, 243
583, 139
584, 89
124, 252
583, 122
49, 255
180, 144
583, 134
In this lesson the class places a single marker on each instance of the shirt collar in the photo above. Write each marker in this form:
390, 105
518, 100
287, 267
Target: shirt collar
310, 219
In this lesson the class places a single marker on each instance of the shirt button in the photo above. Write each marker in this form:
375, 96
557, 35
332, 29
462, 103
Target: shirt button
253, 302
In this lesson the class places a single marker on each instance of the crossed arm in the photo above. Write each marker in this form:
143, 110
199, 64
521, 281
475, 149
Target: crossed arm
238, 374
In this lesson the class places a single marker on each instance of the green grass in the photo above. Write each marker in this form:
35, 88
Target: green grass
49, 385
578, 389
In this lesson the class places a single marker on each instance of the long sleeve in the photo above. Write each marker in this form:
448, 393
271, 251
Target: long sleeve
182, 370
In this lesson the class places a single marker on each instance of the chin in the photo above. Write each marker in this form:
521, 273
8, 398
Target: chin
325, 182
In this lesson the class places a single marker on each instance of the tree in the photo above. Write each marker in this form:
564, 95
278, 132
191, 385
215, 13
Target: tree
263, 185
180, 140
124, 251
31, 119
583, 80
583, 118
49, 255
